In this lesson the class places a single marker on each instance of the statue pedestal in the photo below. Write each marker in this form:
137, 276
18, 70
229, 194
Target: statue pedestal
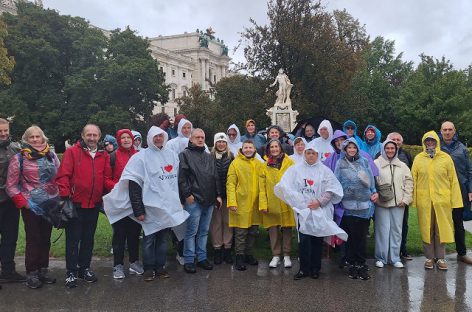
282, 115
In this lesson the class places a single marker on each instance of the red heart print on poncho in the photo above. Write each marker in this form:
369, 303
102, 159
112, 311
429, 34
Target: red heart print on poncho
310, 182
168, 168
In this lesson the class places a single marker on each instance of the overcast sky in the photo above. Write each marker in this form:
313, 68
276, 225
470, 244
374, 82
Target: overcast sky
434, 27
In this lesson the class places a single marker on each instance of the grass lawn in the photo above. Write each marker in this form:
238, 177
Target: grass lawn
262, 248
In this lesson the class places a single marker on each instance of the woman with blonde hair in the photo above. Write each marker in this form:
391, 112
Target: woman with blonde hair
31, 186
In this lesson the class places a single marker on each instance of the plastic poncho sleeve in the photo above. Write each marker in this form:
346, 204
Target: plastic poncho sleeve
231, 184
262, 190
13, 183
285, 190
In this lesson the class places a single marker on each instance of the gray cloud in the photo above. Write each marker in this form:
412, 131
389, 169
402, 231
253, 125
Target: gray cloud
432, 27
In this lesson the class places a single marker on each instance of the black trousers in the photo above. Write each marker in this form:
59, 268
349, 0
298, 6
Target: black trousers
9, 218
80, 233
310, 252
125, 230
403, 250
357, 229
459, 232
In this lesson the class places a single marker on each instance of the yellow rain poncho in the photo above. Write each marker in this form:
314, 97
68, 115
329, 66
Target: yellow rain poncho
435, 187
278, 212
242, 191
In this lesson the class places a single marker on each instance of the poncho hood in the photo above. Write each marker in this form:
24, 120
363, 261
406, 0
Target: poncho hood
152, 133
182, 122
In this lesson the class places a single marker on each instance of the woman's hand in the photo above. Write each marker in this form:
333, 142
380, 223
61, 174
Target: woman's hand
233, 208
140, 218
314, 204
374, 197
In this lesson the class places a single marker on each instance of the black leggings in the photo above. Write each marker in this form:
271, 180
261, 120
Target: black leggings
356, 229
125, 230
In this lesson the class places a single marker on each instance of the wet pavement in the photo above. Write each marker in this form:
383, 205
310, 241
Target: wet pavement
257, 289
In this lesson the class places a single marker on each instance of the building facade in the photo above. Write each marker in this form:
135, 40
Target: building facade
188, 59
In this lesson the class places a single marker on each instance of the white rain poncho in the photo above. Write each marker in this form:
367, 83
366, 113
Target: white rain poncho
324, 145
303, 183
235, 144
156, 171
295, 156
179, 143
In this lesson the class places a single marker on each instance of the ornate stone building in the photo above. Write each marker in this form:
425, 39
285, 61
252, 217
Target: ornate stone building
187, 59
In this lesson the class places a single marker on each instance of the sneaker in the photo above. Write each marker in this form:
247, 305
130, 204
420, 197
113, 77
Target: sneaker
180, 259
363, 272
274, 262
300, 275
136, 268
87, 275
429, 264
149, 275
287, 262
162, 274
190, 268
13, 277
406, 257
379, 264
45, 278
118, 272
240, 266
205, 264
71, 280
352, 272
32, 280
398, 265
441, 264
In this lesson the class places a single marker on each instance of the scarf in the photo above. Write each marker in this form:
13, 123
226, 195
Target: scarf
275, 162
31, 153
218, 154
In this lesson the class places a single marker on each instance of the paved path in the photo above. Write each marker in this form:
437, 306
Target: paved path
258, 289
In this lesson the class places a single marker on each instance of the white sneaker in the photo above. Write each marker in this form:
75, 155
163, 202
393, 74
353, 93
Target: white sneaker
379, 264
398, 265
287, 262
180, 259
274, 262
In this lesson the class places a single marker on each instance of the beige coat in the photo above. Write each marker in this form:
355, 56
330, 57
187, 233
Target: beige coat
402, 181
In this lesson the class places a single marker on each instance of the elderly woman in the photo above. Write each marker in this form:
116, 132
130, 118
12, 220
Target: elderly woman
311, 189
30, 184
354, 173
395, 187
277, 216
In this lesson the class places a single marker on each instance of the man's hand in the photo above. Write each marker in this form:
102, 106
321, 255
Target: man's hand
374, 197
190, 200
233, 208
219, 202
314, 204
140, 218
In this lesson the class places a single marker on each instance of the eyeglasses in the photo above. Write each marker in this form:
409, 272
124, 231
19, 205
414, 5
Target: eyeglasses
349, 128
232, 134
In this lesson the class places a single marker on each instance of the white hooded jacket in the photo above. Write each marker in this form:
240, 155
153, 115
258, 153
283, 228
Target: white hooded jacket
303, 183
324, 145
179, 143
156, 171
236, 144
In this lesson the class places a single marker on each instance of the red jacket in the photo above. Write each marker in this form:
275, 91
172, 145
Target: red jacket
82, 178
122, 155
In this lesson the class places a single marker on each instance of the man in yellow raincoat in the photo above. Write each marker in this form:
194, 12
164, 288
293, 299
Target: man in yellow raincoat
242, 194
436, 193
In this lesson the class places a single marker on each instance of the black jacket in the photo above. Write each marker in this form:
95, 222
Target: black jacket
462, 163
222, 166
405, 157
136, 198
7, 150
198, 176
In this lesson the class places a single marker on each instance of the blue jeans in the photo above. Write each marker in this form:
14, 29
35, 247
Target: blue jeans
155, 251
198, 224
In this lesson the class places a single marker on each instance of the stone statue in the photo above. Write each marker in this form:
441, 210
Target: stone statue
285, 87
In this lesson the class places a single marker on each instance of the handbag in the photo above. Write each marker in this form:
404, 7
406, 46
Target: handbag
59, 213
386, 191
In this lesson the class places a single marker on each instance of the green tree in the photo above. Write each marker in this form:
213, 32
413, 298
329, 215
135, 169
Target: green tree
435, 92
377, 85
319, 50
6, 62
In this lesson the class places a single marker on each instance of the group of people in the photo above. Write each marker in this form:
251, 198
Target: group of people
326, 187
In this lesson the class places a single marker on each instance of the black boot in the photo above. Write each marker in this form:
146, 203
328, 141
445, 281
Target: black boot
44, 276
217, 256
227, 256
240, 266
249, 259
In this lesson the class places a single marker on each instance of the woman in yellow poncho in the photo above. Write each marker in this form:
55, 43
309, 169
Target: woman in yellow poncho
276, 215
242, 194
436, 193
